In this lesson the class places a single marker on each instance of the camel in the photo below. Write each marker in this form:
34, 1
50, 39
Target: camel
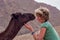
15, 24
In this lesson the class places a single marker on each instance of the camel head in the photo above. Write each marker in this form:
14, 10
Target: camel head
23, 18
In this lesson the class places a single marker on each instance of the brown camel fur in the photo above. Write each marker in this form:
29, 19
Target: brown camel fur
15, 24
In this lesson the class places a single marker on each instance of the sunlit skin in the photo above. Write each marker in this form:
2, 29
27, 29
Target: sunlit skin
40, 36
40, 19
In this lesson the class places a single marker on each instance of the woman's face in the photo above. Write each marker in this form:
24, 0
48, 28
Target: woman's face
40, 19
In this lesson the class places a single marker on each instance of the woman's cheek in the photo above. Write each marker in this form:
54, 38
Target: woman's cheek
37, 18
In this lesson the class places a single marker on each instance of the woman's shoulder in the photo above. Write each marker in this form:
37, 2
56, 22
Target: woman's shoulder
46, 24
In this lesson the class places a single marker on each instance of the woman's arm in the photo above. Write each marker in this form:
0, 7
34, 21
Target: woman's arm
32, 30
42, 33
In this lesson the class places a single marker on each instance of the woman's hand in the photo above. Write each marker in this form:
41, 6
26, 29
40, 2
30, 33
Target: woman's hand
29, 27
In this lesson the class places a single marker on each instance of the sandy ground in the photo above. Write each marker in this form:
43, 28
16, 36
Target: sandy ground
24, 37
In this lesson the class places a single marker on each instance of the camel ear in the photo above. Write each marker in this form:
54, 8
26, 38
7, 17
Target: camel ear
14, 16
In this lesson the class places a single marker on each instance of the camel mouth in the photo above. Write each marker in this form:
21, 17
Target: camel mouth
31, 16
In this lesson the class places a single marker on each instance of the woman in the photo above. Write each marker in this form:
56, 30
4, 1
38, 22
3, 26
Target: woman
47, 31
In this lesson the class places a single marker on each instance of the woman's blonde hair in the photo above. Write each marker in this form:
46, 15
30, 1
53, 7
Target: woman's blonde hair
42, 12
